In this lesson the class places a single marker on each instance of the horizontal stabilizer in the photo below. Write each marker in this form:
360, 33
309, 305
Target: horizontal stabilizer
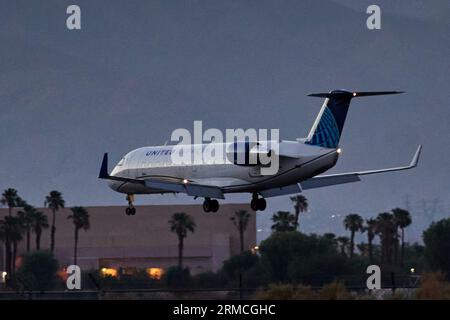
353, 94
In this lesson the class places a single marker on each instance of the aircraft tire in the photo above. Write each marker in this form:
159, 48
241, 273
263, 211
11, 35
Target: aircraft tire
207, 206
214, 205
254, 204
262, 204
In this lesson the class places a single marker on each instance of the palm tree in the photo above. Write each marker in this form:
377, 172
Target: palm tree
343, 241
371, 225
300, 205
11, 231
54, 201
240, 221
26, 217
10, 198
80, 218
363, 248
39, 222
354, 223
283, 221
386, 229
403, 219
181, 223
5, 237
16, 235
331, 238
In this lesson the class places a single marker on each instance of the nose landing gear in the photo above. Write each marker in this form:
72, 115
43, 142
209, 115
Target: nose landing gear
258, 203
210, 205
131, 210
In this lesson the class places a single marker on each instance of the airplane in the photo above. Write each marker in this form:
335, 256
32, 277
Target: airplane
151, 170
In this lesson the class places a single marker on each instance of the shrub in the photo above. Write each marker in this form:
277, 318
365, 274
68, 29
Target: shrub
286, 292
279, 250
249, 266
433, 286
208, 280
38, 271
335, 291
320, 269
437, 244
177, 278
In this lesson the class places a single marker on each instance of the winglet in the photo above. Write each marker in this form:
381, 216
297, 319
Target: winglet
416, 157
104, 168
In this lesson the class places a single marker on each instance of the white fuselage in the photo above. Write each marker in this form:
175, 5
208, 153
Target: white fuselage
297, 162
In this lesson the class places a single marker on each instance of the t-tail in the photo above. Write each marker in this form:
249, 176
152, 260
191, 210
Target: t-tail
327, 128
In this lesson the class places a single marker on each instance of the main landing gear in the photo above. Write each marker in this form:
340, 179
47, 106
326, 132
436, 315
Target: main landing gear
131, 210
258, 203
210, 205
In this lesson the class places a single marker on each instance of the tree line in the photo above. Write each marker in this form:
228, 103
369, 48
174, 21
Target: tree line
28, 220
286, 256
388, 226
289, 255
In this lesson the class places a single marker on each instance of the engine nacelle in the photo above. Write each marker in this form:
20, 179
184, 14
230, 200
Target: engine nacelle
246, 153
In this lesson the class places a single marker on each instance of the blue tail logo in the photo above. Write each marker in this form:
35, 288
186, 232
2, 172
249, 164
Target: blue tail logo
327, 129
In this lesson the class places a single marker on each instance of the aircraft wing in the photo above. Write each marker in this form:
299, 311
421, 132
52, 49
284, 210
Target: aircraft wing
188, 187
334, 179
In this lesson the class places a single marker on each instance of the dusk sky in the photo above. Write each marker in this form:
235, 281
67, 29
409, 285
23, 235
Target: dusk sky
137, 70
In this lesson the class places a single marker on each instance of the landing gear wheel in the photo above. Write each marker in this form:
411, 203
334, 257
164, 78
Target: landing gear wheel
210, 205
254, 204
207, 206
131, 210
214, 205
262, 204
258, 203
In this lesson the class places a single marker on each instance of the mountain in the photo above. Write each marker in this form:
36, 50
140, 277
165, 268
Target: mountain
138, 70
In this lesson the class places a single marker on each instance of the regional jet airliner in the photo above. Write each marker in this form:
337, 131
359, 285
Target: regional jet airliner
301, 164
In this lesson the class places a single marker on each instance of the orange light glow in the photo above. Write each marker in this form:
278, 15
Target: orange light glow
155, 273
62, 274
109, 272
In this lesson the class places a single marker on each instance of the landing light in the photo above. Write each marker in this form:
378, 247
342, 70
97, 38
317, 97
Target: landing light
185, 181
338, 150
354, 94
412, 270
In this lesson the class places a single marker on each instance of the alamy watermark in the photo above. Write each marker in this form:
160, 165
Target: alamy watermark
374, 280
373, 22
73, 281
249, 147
73, 21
